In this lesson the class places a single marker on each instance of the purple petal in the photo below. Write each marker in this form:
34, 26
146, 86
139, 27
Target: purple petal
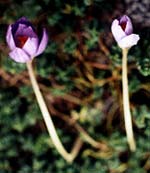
129, 41
117, 31
10, 39
43, 43
123, 19
129, 27
25, 30
19, 55
30, 47
22, 20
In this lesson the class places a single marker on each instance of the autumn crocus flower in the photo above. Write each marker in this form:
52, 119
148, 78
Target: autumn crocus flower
122, 31
24, 42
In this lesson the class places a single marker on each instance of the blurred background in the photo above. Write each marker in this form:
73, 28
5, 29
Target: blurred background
80, 77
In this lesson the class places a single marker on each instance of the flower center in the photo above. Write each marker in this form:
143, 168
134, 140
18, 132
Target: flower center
20, 40
123, 25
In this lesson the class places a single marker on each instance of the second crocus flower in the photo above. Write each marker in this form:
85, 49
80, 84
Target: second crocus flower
122, 31
24, 42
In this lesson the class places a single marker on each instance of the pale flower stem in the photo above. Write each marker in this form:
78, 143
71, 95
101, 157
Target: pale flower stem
47, 118
126, 104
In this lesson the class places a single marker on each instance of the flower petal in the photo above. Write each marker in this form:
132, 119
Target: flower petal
22, 20
129, 27
43, 43
19, 55
129, 41
117, 31
30, 46
10, 39
25, 30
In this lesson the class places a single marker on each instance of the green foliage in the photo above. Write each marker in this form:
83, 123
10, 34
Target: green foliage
54, 19
13, 67
15, 10
92, 39
80, 77
70, 45
142, 116
143, 60
144, 66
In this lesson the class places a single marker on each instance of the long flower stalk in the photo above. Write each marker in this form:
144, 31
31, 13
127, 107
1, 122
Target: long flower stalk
126, 103
69, 157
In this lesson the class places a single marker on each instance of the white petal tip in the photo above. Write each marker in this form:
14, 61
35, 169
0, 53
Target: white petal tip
129, 41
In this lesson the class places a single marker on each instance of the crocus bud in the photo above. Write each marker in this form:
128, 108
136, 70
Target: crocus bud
122, 31
24, 42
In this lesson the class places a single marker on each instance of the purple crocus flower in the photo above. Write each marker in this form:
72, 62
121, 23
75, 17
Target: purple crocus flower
24, 42
122, 31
